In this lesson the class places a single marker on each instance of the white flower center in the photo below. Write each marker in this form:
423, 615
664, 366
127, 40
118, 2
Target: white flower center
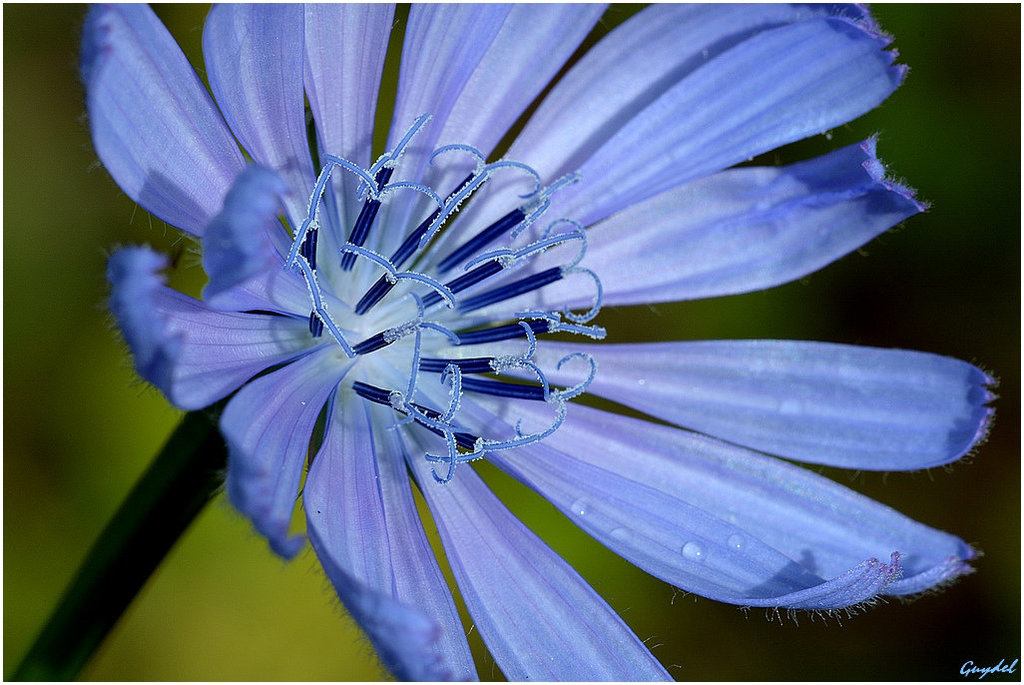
423, 322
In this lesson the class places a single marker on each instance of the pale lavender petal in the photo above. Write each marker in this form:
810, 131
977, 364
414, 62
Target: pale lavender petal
631, 68
237, 244
267, 426
219, 351
153, 124
634, 65
538, 617
781, 85
746, 229
254, 60
724, 522
134, 276
442, 48
345, 49
246, 271
533, 43
193, 354
363, 524
841, 405
735, 231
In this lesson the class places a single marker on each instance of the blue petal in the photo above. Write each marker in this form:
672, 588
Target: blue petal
533, 43
267, 426
135, 282
237, 243
442, 47
538, 617
724, 522
781, 85
345, 49
735, 231
153, 124
245, 269
254, 60
746, 229
193, 354
363, 524
219, 351
840, 405
631, 68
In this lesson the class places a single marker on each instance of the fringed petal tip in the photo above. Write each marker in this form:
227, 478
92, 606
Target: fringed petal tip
94, 41
134, 276
863, 24
258, 510
405, 639
237, 242
876, 170
934, 579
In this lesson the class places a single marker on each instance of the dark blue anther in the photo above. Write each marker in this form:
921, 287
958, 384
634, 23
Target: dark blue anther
481, 240
464, 440
383, 286
509, 331
513, 289
308, 248
473, 365
316, 326
501, 389
372, 393
374, 295
365, 220
371, 344
470, 278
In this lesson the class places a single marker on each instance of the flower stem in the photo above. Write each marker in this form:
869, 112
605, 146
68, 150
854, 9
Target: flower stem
184, 477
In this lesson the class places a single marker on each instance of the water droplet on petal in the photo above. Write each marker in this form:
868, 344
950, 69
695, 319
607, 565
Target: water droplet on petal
621, 534
641, 381
736, 542
791, 406
579, 507
693, 551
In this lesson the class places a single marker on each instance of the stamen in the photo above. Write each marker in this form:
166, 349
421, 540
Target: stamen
386, 337
516, 221
316, 326
382, 287
383, 168
509, 256
471, 365
308, 248
482, 239
365, 220
483, 375
513, 289
319, 307
372, 344
507, 332
429, 416
515, 391
465, 281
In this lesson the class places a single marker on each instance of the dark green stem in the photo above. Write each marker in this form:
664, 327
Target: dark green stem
184, 477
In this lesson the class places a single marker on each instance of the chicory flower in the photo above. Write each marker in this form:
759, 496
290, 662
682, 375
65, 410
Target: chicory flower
434, 306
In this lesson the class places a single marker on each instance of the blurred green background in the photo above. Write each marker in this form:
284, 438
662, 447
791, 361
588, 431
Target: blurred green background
79, 428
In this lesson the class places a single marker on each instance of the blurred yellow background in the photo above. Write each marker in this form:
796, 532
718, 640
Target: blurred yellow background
79, 428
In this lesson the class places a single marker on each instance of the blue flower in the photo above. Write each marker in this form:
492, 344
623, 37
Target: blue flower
434, 306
